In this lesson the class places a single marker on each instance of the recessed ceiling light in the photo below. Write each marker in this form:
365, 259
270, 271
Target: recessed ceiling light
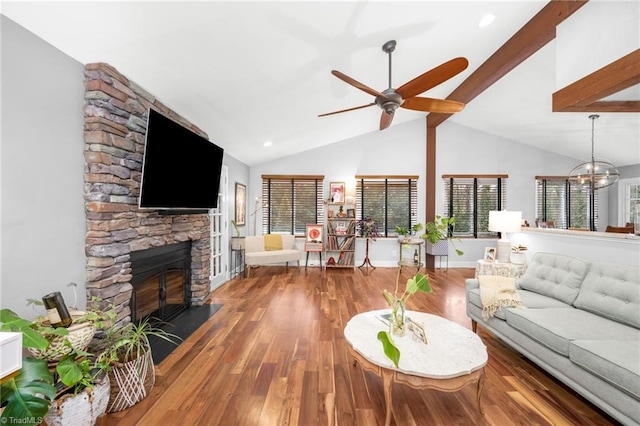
268, 143
486, 20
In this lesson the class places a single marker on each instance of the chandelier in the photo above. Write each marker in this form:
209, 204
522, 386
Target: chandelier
594, 174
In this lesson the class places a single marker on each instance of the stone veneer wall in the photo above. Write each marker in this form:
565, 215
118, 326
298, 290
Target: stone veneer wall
114, 134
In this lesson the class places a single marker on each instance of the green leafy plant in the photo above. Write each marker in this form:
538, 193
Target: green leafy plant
402, 230
235, 225
128, 342
397, 302
28, 395
440, 229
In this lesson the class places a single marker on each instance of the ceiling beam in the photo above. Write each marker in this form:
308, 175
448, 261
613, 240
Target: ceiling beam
534, 35
585, 95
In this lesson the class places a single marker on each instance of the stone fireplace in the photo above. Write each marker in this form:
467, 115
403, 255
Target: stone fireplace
117, 231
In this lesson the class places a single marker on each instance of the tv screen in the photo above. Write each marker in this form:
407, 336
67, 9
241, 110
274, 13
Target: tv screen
180, 169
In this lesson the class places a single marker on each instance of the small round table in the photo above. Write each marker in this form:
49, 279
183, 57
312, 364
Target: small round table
453, 358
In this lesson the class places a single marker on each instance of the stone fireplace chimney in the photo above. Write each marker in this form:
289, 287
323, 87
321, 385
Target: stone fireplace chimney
114, 134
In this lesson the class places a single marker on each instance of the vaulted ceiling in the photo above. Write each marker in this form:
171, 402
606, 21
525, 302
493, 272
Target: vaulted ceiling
251, 72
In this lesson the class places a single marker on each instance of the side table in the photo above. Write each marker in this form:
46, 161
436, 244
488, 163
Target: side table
513, 270
237, 261
414, 245
313, 248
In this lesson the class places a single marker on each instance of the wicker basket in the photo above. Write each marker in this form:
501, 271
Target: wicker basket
131, 382
79, 336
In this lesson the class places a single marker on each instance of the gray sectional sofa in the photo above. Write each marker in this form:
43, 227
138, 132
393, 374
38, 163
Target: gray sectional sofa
581, 324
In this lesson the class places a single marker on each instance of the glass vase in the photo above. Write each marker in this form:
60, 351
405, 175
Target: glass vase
396, 322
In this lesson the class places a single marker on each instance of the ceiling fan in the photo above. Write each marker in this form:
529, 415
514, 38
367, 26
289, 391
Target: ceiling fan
405, 96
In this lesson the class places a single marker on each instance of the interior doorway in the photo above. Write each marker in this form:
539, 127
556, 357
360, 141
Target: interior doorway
220, 234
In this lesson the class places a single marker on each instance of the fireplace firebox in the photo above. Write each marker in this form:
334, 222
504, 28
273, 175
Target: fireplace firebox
160, 280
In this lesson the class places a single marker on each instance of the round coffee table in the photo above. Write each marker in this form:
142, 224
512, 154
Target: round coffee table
453, 358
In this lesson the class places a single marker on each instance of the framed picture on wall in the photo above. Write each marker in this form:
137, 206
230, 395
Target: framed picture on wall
336, 192
241, 204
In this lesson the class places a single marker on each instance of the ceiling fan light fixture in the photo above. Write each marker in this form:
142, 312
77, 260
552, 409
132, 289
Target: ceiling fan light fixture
594, 174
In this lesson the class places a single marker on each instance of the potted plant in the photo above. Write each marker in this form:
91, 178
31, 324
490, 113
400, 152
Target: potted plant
437, 236
237, 242
402, 232
75, 391
397, 302
518, 254
127, 350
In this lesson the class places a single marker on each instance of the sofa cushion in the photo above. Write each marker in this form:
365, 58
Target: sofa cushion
554, 275
529, 300
613, 291
557, 327
615, 361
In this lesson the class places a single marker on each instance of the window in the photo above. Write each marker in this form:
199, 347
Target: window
290, 202
469, 198
389, 200
566, 205
629, 196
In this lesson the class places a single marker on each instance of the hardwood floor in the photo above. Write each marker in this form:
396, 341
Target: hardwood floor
275, 354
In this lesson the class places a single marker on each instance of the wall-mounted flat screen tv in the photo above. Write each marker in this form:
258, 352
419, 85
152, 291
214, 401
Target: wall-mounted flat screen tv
180, 169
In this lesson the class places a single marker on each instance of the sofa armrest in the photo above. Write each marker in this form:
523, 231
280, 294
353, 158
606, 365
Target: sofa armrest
471, 283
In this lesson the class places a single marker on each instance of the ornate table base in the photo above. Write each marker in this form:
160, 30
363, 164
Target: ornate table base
389, 377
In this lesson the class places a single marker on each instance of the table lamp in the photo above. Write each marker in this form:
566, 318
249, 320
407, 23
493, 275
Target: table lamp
504, 221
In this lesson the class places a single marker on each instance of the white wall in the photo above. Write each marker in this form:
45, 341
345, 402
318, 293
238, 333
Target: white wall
580, 45
43, 225
42, 217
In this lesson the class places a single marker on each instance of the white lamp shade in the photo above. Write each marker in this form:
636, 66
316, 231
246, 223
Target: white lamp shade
505, 221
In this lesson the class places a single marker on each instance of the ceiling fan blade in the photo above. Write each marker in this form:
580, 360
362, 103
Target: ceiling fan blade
432, 78
355, 83
432, 105
345, 110
385, 120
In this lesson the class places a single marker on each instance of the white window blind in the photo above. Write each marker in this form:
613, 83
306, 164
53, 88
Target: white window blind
469, 198
389, 200
290, 203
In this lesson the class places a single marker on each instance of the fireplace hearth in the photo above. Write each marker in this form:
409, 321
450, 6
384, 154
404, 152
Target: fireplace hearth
160, 280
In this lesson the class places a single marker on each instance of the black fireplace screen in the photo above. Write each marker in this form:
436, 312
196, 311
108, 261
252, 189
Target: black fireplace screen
160, 280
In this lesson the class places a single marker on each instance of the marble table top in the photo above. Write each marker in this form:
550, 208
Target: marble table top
452, 350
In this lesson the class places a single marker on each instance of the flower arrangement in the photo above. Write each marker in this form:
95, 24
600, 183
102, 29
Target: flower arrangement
367, 228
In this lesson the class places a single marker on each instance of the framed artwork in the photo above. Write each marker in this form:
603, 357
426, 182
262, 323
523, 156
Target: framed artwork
489, 254
336, 192
314, 233
241, 204
351, 212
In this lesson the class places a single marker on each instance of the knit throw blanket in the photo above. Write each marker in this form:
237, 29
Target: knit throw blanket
497, 292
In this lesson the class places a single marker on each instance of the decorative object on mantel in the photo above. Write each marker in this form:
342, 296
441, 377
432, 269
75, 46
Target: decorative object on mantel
504, 221
368, 229
397, 321
594, 174
518, 254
